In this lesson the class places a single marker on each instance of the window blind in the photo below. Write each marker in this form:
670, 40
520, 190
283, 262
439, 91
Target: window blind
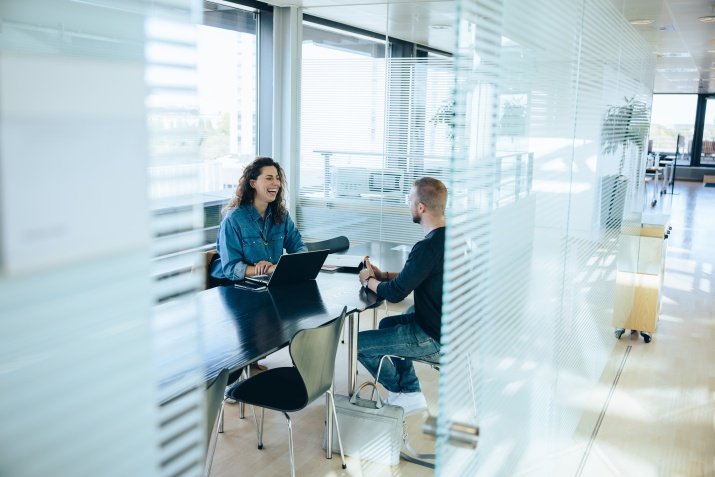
369, 127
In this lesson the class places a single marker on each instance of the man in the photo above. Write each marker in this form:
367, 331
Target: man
413, 334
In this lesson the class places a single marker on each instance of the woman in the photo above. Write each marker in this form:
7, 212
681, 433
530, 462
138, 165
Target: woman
256, 227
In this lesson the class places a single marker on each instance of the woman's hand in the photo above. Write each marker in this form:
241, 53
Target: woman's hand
263, 267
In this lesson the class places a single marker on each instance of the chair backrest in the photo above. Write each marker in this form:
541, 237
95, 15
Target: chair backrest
334, 245
203, 265
213, 398
313, 353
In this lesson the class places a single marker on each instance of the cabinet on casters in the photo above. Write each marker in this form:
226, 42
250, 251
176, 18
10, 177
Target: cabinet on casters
639, 278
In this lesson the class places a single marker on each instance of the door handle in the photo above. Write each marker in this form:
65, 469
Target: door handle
458, 434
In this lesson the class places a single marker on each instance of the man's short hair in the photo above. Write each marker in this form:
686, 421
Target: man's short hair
432, 193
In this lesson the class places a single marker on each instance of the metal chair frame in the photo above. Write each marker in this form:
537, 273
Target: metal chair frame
314, 378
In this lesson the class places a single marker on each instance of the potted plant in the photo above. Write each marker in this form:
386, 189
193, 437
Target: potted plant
513, 118
623, 127
445, 115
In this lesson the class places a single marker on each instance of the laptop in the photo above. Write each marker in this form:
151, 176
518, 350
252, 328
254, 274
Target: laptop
293, 268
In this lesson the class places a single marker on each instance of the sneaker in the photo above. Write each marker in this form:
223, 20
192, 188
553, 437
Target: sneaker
226, 396
412, 403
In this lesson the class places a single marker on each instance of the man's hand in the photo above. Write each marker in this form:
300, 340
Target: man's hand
366, 272
376, 272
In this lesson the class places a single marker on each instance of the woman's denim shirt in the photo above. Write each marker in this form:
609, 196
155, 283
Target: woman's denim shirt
240, 241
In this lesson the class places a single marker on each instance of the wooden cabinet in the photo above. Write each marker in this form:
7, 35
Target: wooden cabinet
639, 279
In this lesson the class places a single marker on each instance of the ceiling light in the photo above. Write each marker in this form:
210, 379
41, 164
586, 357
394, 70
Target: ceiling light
440, 27
711, 51
673, 55
640, 22
709, 18
676, 70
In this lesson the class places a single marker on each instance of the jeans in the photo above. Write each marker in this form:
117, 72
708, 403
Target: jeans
401, 336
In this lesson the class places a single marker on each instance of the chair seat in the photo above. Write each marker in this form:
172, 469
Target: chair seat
280, 389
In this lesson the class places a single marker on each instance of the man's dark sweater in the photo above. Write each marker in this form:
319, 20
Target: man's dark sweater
423, 274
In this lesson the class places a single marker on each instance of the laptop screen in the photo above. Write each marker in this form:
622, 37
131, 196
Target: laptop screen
294, 268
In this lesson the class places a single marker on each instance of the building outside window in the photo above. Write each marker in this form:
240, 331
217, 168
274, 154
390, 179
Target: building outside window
673, 114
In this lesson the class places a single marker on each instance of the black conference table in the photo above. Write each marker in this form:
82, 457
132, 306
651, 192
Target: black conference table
239, 326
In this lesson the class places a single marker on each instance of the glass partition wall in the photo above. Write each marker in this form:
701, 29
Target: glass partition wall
537, 119
530, 282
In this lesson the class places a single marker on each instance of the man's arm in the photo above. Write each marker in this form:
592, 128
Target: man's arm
417, 268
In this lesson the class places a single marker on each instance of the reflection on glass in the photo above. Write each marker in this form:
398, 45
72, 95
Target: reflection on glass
226, 64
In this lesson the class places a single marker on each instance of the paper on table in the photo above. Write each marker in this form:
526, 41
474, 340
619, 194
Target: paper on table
344, 260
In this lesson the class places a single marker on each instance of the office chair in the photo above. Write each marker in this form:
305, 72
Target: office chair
202, 265
214, 409
334, 245
292, 389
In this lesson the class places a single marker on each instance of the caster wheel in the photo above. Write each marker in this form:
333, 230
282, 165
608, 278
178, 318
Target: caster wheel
618, 333
260, 447
652, 204
634, 332
646, 337
345, 466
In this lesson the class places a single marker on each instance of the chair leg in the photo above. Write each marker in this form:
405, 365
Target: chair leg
259, 430
210, 457
337, 430
290, 445
242, 406
220, 416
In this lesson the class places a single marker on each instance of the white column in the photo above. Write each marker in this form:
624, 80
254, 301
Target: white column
287, 51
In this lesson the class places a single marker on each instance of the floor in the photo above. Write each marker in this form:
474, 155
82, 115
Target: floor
661, 418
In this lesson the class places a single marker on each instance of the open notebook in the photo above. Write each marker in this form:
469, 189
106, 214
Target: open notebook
344, 263
293, 268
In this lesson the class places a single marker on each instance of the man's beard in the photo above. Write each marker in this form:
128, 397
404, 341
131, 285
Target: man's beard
416, 219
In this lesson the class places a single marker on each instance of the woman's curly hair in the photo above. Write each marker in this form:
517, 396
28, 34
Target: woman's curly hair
245, 193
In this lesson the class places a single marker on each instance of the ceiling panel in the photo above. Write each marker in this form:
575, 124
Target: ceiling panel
679, 39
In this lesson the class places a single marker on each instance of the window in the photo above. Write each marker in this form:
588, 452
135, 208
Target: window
369, 126
200, 149
707, 154
227, 66
673, 114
